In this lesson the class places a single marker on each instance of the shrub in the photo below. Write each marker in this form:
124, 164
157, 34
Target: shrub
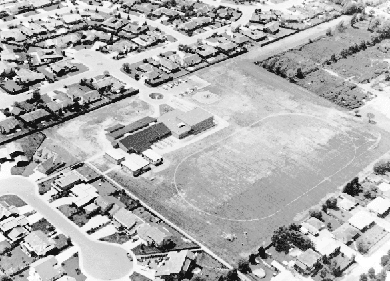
382, 167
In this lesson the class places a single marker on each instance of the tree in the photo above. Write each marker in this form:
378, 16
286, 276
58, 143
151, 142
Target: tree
353, 188
329, 32
126, 67
371, 273
354, 19
36, 96
340, 27
252, 259
167, 244
381, 276
370, 117
106, 73
363, 277
331, 203
232, 275
382, 167
316, 214
374, 23
243, 266
198, 278
5, 278
385, 260
262, 252
291, 75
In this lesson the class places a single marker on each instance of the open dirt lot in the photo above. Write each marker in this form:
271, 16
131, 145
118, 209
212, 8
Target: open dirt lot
85, 137
284, 150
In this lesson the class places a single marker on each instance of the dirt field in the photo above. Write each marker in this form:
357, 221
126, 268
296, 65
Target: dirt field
85, 137
263, 169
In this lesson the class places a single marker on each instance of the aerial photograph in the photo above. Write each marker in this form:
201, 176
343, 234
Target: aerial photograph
195, 140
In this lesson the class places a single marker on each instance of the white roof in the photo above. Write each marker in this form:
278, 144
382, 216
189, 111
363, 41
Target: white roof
151, 154
384, 186
326, 246
346, 204
82, 190
71, 18
116, 154
95, 222
134, 162
277, 265
360, 220
84, 200
379, 205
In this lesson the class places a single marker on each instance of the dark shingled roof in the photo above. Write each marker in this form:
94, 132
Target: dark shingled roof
142, 140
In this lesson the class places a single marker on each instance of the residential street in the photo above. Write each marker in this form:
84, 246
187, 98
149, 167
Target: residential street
99, 260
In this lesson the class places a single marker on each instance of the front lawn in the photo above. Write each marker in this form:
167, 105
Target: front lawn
15, 261
43, 225
72, 268
13, 200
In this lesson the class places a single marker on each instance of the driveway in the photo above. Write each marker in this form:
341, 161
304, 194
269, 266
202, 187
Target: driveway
99, 260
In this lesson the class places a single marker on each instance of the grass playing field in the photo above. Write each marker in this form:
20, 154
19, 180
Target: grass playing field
284, 150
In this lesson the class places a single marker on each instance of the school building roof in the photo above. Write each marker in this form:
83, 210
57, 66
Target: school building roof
135, 162
130, 128
142, 140
152, 155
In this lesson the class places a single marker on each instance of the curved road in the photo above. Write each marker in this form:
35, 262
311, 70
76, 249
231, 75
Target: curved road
100, 260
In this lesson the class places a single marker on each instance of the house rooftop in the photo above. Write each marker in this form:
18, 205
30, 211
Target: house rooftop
346, 233
46, 269
126, 218
379, 205
361, 220
309, 258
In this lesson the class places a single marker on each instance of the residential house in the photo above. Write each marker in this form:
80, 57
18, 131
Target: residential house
153, 235
177, 263
346, 202
313, 226
362, 220
37, 243
28, 77
9, 125
346, 233
71, 19
103, 204
67, 180
17, 233
63, 67
36, 116
271, 27
126, 218
46, 269
307, 261
379, 206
